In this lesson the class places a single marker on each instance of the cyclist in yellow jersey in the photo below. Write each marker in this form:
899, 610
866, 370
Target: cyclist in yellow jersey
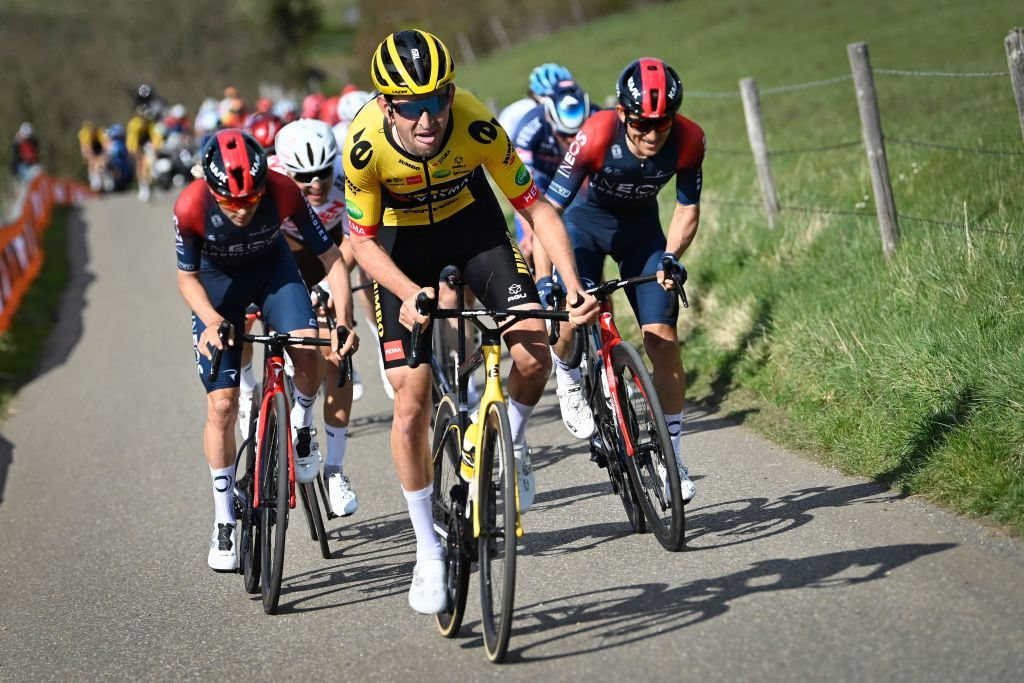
91, 146
143, 139
418, 200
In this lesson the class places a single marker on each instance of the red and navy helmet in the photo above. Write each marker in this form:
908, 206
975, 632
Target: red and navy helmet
650, 89
234, 164
263, 126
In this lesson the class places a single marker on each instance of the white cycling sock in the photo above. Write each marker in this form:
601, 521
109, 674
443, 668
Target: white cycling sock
427, 545
674, 423
223, 481
565, 375
247, 381
518, 414
337, 439
302, 411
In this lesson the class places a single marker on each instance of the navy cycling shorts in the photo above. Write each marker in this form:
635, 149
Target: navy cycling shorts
274, 284
634, 239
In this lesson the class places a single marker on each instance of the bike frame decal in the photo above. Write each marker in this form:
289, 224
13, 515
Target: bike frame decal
273, 370
610, 338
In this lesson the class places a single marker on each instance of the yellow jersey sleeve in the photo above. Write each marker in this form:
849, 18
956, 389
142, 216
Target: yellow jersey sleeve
363, 200
498, 154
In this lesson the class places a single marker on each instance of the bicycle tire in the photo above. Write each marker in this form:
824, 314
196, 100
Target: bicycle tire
274, 501
645, 420
496, 474
248, 525
315, 518
608, 443
448, 509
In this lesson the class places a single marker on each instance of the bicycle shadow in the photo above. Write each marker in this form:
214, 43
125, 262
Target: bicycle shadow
583, 623
356, 573
6, 458
747, 519
369, 425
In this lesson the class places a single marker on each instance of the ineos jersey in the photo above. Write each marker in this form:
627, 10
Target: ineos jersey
331, 212
205, 235
536, 144
619, 178
386, 185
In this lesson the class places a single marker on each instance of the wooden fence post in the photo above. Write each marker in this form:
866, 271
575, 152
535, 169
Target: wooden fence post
759, 146
871, 125
1015, 58
578, 15
500, 33
466, 48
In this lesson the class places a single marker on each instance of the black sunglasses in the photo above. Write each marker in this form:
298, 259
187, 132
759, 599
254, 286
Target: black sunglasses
323, 175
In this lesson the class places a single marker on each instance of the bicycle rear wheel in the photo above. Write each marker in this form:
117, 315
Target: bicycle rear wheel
653, 462
496, 501
449, 506
314, 517
274, 500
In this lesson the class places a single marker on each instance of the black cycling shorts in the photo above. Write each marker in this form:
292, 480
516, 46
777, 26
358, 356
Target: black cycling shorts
491, 264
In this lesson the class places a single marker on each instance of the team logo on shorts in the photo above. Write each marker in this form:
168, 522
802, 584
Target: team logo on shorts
515, 292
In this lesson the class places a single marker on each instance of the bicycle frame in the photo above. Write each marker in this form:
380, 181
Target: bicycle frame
273, 383
610, 338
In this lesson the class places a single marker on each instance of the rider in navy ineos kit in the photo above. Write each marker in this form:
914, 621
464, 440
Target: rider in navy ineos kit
628, 155
231, 253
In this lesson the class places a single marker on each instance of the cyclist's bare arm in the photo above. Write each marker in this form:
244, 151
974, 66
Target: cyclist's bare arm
194, 294
681, 231
554, 239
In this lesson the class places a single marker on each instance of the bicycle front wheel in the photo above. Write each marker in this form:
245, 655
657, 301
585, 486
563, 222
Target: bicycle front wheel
653, 465
274, 500
496, 476
449, 507
248, 524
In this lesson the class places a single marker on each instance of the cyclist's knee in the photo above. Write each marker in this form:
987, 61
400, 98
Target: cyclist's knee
532, 361
661, 341
222, 409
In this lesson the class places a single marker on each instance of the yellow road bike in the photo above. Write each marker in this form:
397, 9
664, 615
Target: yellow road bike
476, 497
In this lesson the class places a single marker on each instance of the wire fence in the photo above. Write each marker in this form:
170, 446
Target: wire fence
762, 153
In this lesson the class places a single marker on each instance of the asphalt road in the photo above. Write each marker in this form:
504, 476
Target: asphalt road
793, 571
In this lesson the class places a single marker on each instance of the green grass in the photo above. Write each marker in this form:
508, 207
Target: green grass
908, 371
22, 345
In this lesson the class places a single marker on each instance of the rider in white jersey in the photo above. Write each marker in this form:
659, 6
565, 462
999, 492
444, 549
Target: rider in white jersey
307, 154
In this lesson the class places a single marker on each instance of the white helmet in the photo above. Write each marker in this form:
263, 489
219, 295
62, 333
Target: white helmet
349, 104
306, 145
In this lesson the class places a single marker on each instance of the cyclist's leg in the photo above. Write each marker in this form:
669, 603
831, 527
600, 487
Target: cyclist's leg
421, 258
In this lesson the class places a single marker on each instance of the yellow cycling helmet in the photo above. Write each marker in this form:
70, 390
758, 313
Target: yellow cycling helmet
411, 62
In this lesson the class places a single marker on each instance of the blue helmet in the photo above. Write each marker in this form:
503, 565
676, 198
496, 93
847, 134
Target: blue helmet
116, 132
567, 107
544, 78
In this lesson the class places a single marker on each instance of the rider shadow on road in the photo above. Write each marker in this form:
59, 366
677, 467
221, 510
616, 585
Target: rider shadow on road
747, 519
581, 623
370, 560
6, 458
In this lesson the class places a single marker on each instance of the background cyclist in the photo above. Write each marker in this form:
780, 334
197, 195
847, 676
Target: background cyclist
307, 153
230, 254
542, 139
628, 155
418, 200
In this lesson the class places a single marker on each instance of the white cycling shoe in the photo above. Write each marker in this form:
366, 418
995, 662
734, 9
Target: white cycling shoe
223, 555
686, 487
576, 414
427, 593
524, 477
307, 455
342, 497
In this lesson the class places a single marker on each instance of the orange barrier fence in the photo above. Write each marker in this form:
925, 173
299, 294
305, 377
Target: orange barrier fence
21, 252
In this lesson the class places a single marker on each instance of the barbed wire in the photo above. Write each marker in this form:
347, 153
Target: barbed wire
959, 226
940, 74
729, 151
952, 148
825, 211
805, 86
810, 150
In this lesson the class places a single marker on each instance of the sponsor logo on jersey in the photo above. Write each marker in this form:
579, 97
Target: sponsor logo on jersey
354, 211
522, 176
403, 162
616, 151
565, 168
216, 220
558, 189
414, 179
441, 173
393, 350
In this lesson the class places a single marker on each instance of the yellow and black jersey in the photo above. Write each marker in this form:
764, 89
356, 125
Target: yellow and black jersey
140, 131
385, 185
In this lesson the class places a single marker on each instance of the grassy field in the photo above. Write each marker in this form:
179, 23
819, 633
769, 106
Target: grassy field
21, 346
909, 371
